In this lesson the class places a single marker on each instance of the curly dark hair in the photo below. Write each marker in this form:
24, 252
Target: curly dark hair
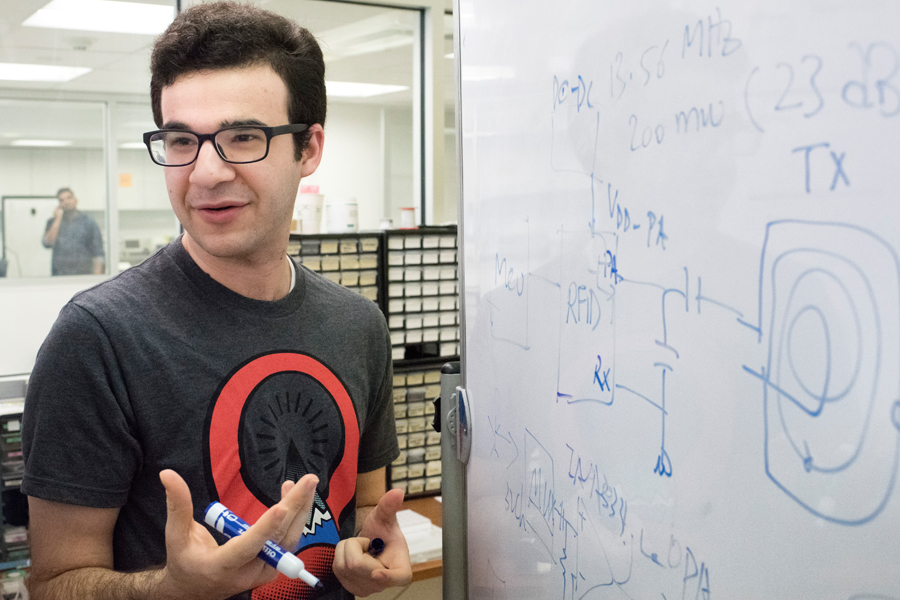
222, 35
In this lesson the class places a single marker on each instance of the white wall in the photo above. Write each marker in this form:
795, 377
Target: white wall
42, 171
148, 183
27, 311
399, 165
353, 160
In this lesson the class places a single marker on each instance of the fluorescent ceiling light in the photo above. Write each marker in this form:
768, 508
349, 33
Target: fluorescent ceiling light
103, 15
21, 72
132, 146
41, 143
346, 89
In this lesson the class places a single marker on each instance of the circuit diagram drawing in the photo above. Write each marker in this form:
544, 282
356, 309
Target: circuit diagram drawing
829, 305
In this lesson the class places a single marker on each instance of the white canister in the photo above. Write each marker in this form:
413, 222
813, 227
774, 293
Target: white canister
407, 217
342, 215
308, 212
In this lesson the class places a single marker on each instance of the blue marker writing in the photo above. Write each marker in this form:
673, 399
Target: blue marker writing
224, 521
376, 546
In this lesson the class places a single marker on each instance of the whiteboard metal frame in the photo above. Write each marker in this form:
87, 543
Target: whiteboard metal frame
455, 585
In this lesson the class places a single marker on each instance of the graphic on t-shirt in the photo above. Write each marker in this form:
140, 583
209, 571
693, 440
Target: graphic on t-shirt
278, 417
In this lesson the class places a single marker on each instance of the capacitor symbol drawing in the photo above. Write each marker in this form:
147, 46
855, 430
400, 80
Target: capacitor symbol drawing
830, 317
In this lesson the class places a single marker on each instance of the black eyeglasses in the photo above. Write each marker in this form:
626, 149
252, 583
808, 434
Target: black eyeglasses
238, 144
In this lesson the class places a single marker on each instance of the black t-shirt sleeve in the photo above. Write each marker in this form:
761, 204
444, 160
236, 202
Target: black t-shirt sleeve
78, 440
378, 439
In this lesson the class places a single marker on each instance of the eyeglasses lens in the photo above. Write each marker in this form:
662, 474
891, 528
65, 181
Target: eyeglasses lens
173, 147
242, 145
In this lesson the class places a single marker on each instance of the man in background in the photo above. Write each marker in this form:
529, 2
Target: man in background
75, 239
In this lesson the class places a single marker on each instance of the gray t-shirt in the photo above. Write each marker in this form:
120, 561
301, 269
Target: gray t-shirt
77, 244
162, 367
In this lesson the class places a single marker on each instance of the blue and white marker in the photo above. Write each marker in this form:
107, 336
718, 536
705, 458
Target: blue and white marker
224, 521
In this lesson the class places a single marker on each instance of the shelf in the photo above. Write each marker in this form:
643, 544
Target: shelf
413, 277
424, 362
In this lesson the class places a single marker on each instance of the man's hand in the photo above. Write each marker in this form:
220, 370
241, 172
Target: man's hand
198, 567
362, 574
53, 231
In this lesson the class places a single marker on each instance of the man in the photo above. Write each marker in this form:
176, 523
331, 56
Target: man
218, 369
75, 239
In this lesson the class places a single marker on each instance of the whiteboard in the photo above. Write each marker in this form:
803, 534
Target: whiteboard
680, 233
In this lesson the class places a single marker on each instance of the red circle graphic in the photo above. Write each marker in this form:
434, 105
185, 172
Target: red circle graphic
224, 452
